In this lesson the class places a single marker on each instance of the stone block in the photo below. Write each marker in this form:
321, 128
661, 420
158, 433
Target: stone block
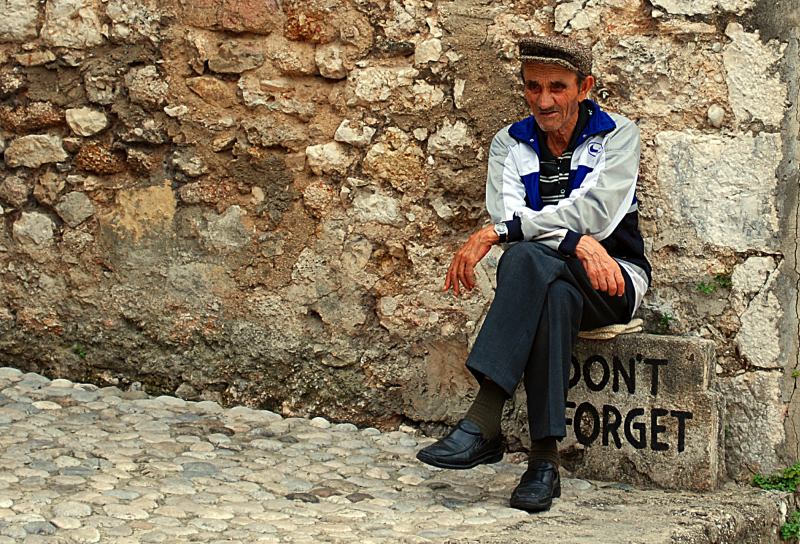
75, 208
703, 7
710, 182
72, 23
34, 229
259, 17
34, 150
201, 13
18, 23
751, 74
641, 410
86, 121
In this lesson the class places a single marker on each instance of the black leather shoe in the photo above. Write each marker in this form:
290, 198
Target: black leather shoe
463, 448
538, 487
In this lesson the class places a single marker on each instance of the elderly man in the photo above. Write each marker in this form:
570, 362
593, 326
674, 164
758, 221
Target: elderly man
561, 186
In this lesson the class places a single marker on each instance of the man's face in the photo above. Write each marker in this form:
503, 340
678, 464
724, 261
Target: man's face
553, 94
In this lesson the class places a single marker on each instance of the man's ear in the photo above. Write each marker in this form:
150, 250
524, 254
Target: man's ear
586, 86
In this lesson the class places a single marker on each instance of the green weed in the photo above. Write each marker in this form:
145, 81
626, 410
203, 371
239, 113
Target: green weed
720, 281
706, 288
79, 350
665, 322
788, 480
723, 280
791, 529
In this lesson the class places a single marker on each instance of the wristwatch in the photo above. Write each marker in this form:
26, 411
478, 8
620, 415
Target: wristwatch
502, 231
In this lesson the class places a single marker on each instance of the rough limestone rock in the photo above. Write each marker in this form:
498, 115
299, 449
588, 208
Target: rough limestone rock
48, 188
757, 340
355, 133
147, 87
424, 96
101, 88
235, 57
317, 197
19, 19
10, 83
189, 162
397, 160
451, 140
751, 74
716, 115
710, 180
86, 121
703, 7
376, 206
225, 231
255, 16
750, 277
575, 16
34, 150
33, 228
133, 22
279, 94
426, 51
332, 157
658, 72
75, 208
35, 58
14, 191
291, 58
276, 130
376, 84
71, 23
214, 91
330, 59
754, 423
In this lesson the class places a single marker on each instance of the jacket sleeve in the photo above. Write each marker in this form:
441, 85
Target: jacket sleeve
598, 205
505, 193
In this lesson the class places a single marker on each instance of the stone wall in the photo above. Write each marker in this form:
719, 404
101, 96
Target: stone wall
255, 202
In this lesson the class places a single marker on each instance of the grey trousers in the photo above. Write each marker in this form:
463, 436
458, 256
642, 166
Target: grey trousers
542, 300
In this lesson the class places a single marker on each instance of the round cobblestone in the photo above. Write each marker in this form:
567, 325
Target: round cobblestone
85, 465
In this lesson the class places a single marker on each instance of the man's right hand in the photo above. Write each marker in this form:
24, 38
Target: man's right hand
462, 268
603, 271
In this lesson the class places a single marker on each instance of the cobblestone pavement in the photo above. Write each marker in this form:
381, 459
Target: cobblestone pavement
82, 464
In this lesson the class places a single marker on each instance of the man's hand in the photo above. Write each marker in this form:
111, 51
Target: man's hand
603, 271
462, 269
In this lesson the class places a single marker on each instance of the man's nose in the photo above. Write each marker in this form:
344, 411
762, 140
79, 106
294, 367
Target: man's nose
545, 100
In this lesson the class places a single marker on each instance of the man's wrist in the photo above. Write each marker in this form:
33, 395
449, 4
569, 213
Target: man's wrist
569, 244
501, 229
490, 235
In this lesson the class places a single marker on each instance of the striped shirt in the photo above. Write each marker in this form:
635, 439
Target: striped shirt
554, 171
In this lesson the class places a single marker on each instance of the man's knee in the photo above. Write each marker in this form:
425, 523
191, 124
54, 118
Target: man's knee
564, 293
525, 255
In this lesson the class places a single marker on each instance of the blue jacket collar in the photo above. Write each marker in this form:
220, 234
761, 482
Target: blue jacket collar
599, 122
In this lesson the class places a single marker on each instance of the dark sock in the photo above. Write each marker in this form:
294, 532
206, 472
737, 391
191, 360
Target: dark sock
487, 408
545, 449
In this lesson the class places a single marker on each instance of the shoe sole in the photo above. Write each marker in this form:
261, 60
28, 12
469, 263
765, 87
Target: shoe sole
535, 506
487, 459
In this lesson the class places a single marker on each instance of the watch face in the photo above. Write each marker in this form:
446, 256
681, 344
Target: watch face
501, 228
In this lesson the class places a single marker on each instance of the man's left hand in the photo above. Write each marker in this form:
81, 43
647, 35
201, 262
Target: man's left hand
462, 268
603, 271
